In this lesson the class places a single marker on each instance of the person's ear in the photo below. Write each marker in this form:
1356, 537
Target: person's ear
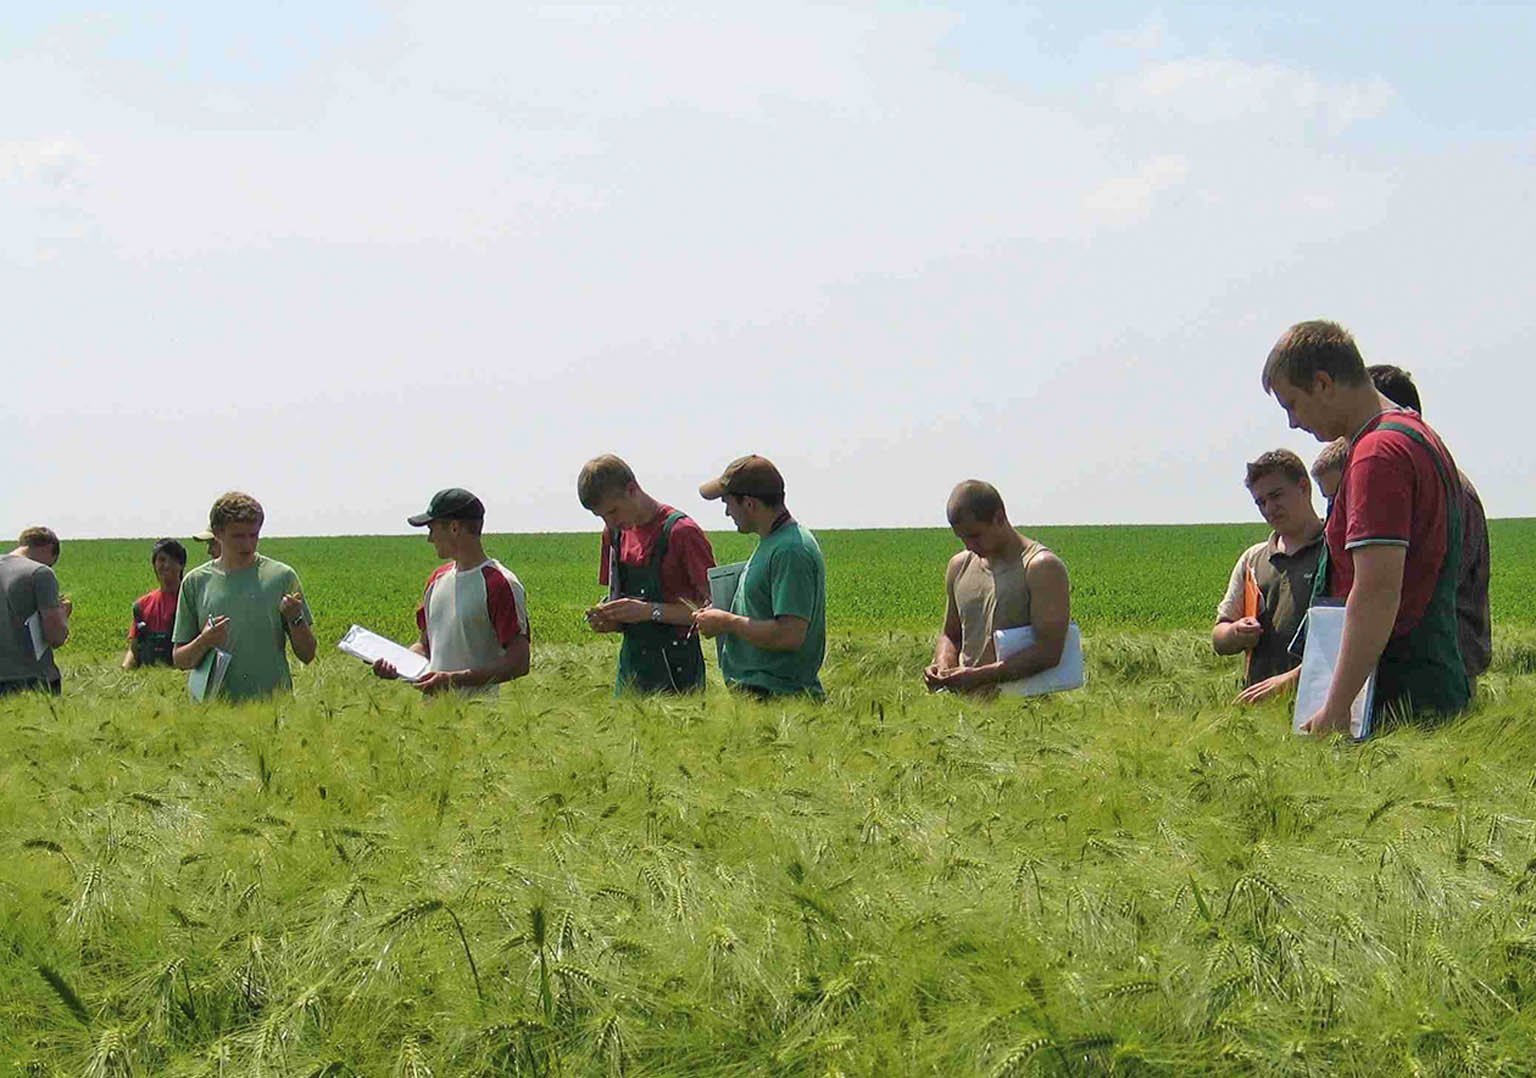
1322, 381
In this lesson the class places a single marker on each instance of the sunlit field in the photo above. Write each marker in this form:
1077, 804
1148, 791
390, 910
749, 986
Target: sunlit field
1135, 878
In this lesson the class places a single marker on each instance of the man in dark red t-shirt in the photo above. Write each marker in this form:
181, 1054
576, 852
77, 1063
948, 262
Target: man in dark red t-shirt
1394, 532
154, 613
656, 562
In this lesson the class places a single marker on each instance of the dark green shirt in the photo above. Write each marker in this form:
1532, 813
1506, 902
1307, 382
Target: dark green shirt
786, 575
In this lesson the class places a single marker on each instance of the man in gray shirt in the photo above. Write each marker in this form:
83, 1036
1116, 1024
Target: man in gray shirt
29, 589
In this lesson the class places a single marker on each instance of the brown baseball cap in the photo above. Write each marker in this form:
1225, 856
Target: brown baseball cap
751, 476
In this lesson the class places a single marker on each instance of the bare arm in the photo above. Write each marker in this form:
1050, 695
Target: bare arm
946, 649
56, 625
783, 633
215, 633
130, 660
514, 663
1236, 637
1369, 615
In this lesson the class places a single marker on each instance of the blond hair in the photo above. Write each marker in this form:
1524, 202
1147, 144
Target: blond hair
602, 477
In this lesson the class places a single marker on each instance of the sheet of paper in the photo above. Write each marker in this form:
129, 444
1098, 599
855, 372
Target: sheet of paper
723, 582
35, 631
1324, 637
1067, 674
370, 647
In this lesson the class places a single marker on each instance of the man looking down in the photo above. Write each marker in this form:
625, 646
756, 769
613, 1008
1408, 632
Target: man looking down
1393, 537
28, 588
656, 562
1001, 580
473, 617
775, 632
244, 603
1271, 584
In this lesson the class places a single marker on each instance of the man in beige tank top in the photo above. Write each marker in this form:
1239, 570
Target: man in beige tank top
1001, 580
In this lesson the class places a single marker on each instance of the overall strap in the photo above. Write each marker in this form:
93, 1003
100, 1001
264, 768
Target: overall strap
1452, 503
665, 538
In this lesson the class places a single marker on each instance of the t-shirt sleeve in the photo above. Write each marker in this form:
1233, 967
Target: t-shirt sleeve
188, 616
1381, 492
506, 606
45, 586
689, 547
1231, 606
795, 585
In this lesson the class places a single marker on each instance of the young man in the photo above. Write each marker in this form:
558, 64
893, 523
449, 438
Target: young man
207, 536
154, 612
473, 616
244, 603
1393, 537
1473, 617
1001, 580
1328, 468
1271, 584
28, 587
656, 562
775, 633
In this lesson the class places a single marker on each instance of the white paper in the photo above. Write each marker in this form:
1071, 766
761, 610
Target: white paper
207, 676
370, 647
1324, 638
35, 630
723, 582
1066, 674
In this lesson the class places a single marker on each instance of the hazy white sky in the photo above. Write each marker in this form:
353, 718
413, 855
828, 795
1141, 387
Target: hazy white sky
343, 254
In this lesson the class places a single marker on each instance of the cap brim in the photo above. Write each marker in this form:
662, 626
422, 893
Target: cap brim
203, 537
419, 519
712, 490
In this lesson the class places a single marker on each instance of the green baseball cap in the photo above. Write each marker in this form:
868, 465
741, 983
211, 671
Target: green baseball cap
455, 503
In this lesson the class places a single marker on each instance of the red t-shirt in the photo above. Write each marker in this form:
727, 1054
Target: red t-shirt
1391, 493
158, 609
684, 569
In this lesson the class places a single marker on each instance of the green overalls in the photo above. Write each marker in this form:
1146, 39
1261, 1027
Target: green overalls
654, 658
1421, 672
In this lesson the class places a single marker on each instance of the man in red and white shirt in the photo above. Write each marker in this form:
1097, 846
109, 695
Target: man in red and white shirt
473, 616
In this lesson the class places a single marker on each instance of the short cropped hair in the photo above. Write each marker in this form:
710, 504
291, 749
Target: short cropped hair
600, 478
974, 500
37, 537
1283, 461
235, 507
1308, 349
1396, 385
1332, 458
171, 549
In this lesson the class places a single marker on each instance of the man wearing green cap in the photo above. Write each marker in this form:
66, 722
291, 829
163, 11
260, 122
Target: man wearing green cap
774, 636
473, 616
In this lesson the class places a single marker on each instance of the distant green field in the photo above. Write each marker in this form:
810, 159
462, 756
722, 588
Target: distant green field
1137, 878
1149, 577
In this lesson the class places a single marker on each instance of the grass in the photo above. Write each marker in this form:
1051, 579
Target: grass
1137, 878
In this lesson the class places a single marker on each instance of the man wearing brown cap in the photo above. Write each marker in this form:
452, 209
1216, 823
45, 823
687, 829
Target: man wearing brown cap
473, 616
774, 636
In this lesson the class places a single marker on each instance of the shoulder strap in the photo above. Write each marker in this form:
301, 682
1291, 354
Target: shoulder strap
665, 538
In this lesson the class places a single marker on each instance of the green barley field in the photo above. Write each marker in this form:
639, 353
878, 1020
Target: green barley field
1137, 878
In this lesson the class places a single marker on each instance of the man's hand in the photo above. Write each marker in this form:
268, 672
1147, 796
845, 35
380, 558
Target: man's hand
1246, 632
67, 605
960, 679
1270, 686
617, 612
1325, 723
291, 606
712, 622
437, 681
934, 676
385, 669
216, 633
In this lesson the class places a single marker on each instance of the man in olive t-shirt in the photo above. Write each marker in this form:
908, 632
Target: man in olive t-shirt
244, 603
775, 633
28, 588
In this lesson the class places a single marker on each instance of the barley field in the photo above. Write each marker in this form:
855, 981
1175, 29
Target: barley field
1137, 878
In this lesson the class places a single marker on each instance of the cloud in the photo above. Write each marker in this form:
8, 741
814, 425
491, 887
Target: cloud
1130, 198
53, 162
1215, 90
1150, 36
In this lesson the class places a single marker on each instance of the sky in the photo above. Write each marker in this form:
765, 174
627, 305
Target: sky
342, 255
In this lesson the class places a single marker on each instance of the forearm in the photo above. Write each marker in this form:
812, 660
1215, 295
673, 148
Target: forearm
1223, 640
302, 637
186, 656
946, 653
770, 635
514, 663
130, 660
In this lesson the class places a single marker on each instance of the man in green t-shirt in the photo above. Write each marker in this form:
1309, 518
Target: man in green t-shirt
243, 603
775, 632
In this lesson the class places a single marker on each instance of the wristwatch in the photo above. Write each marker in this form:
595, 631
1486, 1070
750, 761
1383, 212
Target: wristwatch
656, 613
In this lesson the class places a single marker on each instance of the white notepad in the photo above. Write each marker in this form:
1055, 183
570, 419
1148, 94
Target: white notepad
35, 631
370, 647
1067, 674
723, 582
1324, 637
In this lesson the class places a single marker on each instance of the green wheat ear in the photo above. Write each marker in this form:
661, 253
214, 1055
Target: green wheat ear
66, 994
